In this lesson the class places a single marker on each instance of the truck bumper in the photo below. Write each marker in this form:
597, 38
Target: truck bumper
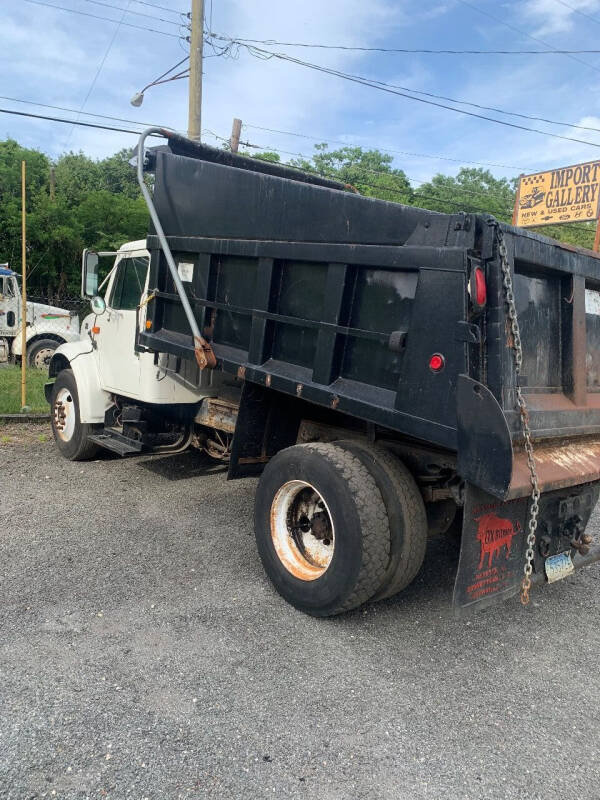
579, 561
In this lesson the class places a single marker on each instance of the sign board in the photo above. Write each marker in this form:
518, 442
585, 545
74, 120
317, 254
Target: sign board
567, 194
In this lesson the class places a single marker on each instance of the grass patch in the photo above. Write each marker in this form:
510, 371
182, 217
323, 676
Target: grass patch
10, 390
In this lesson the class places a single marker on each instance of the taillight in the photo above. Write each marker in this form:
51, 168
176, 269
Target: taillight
480, 288
436, 362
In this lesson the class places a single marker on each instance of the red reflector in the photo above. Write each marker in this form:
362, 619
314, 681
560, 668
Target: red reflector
436, 362
480, 288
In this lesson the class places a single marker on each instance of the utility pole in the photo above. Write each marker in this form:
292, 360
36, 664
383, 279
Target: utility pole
52, 184
236, 132
23, 293
196, 43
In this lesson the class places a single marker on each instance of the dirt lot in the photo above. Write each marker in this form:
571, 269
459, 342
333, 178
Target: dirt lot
143, 654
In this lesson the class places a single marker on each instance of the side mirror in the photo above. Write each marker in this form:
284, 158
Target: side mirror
98, 305
89, 274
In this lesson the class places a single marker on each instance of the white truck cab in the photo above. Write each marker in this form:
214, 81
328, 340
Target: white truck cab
111, 393
47, 327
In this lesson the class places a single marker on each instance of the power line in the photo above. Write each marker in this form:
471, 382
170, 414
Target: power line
420, 51
99, 70
105, 19
388, 150
462, 102
162, 8
75, 111
69, 121
577, 11
389, 89
523, 33
137, 13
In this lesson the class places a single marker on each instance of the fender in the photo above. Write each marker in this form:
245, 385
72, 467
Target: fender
81, 358
41, 332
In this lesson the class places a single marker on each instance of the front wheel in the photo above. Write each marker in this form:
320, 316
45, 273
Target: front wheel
321, 528
40, 353
70, 434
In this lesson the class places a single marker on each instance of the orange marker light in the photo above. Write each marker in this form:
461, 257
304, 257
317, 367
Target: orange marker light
95, 329
148, 324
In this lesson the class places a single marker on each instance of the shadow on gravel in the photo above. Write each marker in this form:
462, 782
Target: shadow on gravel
189, 464
435, 581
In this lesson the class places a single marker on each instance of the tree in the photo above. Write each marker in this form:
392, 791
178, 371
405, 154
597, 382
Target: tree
369, 171
97, 204
472, 190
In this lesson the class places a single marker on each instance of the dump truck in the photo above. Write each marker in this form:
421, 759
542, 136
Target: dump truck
47, 326
385, 370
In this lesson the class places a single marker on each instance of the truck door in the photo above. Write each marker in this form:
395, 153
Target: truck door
119, 364
9, 306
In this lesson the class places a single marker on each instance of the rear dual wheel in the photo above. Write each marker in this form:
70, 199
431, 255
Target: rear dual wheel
328, 530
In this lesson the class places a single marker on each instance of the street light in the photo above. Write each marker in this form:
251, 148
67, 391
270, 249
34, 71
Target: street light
138, 97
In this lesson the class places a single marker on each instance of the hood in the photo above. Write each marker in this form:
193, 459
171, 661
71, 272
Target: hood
44, 316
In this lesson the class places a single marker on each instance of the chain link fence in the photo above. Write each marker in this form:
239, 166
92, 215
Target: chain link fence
55, 319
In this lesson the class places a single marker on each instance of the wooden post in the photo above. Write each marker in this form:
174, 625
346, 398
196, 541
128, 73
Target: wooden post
23, 294
196, 43
517, 197
236, 132
597, 237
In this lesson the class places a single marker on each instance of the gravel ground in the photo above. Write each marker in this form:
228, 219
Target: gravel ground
144, 654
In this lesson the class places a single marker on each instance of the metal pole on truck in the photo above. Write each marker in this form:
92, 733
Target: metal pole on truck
23, 294
195, 98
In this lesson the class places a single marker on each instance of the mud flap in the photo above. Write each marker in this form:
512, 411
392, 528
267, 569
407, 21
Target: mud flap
492, 550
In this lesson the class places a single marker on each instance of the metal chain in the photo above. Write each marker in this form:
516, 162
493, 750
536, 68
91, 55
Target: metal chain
517, 349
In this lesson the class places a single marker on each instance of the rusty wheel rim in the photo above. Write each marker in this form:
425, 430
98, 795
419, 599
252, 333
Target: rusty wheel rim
64, 413
41, 360
302, 530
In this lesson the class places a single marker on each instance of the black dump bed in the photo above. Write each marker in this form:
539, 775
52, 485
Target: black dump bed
342, 300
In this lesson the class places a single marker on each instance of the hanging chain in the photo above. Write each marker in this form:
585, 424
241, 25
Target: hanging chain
517, 349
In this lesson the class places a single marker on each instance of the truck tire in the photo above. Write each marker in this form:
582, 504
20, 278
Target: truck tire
321, 528
40, 352
405, 510
70, 434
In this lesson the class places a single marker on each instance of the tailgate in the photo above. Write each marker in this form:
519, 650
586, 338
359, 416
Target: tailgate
557, 295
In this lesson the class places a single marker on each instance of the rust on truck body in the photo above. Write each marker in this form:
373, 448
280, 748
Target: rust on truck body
559, 465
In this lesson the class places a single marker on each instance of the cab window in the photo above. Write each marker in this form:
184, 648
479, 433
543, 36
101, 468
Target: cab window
7, 288
129, 282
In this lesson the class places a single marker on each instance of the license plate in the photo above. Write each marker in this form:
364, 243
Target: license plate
558, 567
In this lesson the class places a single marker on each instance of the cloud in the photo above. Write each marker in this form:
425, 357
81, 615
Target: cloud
554, 17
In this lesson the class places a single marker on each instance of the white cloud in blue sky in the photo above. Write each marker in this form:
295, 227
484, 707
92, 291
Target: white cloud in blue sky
51, 56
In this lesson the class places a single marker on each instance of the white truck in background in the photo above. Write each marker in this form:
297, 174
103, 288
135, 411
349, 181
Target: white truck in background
110, 393
47, 327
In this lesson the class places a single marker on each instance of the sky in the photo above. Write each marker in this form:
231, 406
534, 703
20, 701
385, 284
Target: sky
60, 58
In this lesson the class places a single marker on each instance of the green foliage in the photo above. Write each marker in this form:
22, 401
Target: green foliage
368, 171
472, 190
96, 204
266, 156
